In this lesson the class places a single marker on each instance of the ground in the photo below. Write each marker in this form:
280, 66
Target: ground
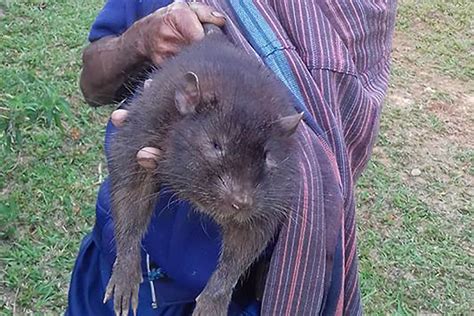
415, 200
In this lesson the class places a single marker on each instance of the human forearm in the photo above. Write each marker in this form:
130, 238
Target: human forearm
107, 64
110, 61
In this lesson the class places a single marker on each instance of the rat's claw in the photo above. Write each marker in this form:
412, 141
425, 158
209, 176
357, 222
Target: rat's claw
135, 301
123, 287
108, 292
117, 305
125, 304
118, 301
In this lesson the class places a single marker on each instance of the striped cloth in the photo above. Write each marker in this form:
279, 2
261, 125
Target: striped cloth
334, 56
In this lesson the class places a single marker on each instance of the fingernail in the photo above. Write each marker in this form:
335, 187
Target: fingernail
147, 157
118, 117
147, 163
148, 153
218, 15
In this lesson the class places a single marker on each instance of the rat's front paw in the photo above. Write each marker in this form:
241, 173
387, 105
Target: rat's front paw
211, 306
124, 284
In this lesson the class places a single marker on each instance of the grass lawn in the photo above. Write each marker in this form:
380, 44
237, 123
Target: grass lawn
416, 199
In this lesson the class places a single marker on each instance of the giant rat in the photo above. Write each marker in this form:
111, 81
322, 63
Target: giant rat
224, 125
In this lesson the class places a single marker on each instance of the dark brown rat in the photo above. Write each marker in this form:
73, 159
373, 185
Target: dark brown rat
224, 125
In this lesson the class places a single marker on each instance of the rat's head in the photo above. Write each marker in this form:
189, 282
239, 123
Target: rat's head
232, 160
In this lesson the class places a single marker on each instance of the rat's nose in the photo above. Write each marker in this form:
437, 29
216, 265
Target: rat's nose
241, 200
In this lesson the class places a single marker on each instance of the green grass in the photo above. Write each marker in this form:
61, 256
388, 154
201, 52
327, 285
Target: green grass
415, 233
443, 34
51, 150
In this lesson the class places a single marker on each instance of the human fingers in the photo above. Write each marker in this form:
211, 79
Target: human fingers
118, 117
147, 157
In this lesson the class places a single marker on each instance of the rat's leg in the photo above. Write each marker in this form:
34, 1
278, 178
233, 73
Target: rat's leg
132, 207
241, 246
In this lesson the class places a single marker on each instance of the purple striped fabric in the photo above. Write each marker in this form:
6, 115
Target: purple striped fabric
338, 53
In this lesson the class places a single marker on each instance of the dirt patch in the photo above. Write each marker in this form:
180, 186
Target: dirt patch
428, 123
424, 91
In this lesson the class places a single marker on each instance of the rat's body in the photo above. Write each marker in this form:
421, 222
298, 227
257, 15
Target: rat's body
224, 126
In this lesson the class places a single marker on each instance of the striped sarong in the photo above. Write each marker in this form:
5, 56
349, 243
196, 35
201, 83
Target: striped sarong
334, 56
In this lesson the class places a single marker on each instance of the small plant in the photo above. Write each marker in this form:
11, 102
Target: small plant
21, 113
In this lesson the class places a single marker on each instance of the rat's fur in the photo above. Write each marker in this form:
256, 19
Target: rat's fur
216, 115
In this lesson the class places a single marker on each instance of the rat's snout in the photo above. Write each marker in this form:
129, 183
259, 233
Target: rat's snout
241, 200
237, 193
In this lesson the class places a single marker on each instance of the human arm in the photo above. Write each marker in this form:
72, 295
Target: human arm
146, 156
111, 61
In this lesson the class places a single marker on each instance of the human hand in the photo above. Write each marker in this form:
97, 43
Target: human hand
166, 31
147, 157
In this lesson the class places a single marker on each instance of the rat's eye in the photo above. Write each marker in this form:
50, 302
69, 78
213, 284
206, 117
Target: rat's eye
217, 146
214, 149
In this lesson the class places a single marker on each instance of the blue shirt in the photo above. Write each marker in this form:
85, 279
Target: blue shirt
181, 245
118, 15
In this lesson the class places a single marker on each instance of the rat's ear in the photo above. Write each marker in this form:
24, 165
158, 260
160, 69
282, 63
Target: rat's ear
187, 94
287, 125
